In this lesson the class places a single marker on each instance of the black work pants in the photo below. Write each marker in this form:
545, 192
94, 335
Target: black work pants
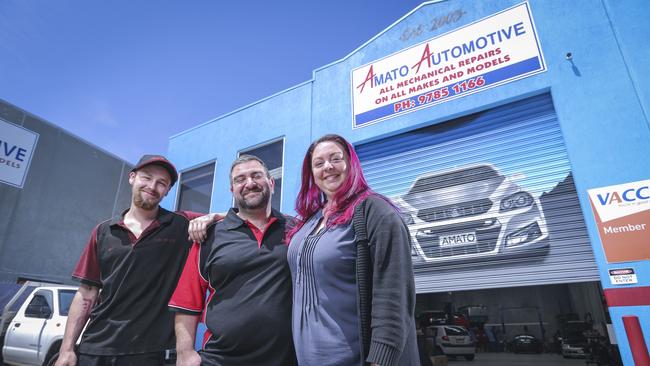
140, 359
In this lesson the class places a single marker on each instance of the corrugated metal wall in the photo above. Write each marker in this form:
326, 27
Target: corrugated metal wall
489, 199
71, 186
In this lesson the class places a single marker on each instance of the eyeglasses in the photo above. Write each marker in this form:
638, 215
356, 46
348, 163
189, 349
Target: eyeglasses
242, 179
335, 159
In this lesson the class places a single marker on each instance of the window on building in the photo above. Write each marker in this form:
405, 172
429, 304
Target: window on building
195, 189
272, 155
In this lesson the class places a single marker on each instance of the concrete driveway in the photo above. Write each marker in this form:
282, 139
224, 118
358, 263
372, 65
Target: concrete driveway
511, 359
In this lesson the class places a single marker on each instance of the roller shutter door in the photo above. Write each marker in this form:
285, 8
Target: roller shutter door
489, 199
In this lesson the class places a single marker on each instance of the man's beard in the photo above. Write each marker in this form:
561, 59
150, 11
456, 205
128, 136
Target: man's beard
148, 205
260, 201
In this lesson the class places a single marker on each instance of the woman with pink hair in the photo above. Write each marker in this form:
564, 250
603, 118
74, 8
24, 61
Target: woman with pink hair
353, 288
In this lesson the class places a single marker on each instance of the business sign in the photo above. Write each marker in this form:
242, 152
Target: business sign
623, 276
622, 215
489, 52
17, 146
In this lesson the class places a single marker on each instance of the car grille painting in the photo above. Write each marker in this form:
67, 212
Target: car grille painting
433, 214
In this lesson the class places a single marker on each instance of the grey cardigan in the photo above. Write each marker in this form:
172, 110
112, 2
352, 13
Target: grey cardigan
386, 285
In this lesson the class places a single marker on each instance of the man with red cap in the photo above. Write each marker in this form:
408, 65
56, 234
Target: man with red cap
127, 273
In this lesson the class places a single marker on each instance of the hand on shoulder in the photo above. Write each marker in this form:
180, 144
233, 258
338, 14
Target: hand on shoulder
198, 228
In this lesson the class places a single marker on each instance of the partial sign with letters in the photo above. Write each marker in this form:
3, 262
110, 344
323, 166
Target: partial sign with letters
492, 51
622, 214
17, 145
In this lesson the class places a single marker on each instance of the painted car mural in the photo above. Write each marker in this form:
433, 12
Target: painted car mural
470, 213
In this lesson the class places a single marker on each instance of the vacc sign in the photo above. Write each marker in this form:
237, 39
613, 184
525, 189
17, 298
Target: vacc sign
622, 214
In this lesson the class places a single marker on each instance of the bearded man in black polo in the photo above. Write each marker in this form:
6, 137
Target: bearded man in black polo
128, 271
243, 267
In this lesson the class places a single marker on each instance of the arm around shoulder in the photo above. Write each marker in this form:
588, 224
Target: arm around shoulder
198, 226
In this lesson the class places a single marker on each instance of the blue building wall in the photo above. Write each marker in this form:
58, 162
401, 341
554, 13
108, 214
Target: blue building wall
601, 97
285, 115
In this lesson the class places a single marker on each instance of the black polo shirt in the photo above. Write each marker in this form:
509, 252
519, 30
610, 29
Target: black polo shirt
137, 277
248, 309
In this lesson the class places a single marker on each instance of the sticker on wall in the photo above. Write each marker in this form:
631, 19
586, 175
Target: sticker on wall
623, 276
495, 50
17, 146
622, 215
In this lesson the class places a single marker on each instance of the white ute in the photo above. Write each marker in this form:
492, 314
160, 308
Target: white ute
34, 335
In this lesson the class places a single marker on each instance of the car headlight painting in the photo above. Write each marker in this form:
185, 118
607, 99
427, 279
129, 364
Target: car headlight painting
515, 201
525, 235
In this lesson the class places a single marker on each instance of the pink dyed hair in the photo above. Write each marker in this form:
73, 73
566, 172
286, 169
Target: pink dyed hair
310, 199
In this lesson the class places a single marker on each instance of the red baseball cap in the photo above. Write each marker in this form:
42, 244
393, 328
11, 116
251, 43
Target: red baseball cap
158, 160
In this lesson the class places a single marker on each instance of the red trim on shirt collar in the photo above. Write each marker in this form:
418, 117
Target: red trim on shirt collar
134, 240
259, 234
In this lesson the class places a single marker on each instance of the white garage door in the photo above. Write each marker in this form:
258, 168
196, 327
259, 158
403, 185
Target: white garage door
489, 199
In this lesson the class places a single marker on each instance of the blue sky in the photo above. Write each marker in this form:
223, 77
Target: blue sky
126, 75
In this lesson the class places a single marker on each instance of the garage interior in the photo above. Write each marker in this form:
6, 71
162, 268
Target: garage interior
573, 312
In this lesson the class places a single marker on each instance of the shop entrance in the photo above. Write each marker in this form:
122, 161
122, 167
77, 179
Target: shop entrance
561, 324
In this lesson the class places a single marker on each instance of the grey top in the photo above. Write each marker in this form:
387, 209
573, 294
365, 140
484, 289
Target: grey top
325, 323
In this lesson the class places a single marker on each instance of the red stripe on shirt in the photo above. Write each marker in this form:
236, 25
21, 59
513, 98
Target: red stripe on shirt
259, 234
191, 288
